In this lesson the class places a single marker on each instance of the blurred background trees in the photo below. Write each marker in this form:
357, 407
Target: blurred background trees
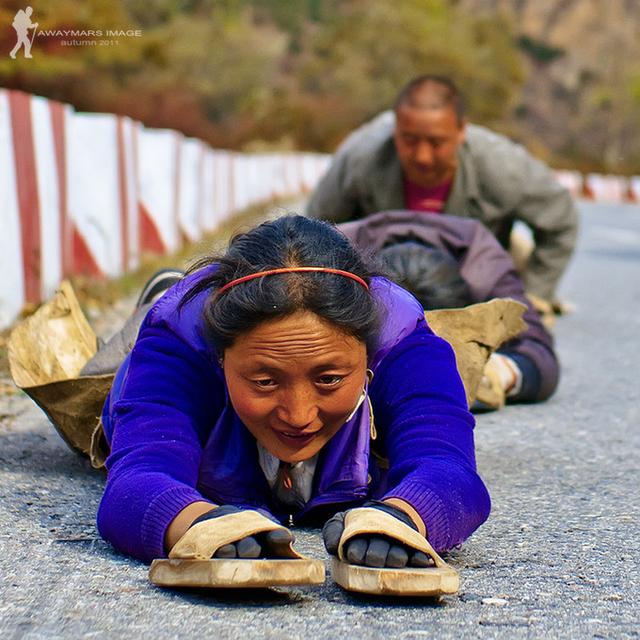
255, 74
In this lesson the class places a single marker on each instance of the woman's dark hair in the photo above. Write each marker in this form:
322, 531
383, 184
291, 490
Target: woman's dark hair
430, 274
289, 241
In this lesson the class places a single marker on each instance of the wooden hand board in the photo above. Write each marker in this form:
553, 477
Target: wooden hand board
236, 574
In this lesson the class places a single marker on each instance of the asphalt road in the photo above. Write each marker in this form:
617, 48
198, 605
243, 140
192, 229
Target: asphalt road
558, 557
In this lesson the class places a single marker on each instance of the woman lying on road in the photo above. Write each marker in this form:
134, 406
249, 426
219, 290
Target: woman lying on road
254, 384
449, 261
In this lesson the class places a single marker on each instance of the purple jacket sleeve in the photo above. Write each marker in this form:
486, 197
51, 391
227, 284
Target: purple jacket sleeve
426, 432
156, 445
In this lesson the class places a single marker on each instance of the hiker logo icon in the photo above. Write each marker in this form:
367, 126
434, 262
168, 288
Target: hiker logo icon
22, 23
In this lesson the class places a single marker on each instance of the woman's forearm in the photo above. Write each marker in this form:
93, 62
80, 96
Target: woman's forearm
183, 521
411, 512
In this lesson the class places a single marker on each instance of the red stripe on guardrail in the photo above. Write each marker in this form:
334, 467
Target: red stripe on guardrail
57, 110
124, 201
150, 239
27, 187
83, 261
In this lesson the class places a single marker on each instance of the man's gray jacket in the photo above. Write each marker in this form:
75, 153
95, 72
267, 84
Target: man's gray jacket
496, 182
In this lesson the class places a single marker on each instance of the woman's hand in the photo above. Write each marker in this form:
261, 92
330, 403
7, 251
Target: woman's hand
376, 550
271, 544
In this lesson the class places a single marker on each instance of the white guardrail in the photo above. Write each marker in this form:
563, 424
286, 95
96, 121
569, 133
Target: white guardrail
88, 193
85, 193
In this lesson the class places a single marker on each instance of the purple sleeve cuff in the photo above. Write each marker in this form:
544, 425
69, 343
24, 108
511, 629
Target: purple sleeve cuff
430, 508
158, 516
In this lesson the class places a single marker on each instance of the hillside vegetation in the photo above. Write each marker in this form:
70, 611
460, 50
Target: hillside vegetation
302, 73
580, 102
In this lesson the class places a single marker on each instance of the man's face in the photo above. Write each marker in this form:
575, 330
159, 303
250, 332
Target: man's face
427, 141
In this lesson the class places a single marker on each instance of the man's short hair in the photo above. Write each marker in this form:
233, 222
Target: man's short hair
431, 91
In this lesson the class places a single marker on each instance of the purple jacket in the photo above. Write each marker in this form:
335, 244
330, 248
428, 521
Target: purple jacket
175, 438
488, 270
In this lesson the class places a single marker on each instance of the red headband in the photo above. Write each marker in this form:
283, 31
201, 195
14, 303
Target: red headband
271, 272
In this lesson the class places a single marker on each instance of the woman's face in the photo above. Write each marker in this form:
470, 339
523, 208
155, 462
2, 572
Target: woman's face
294, 381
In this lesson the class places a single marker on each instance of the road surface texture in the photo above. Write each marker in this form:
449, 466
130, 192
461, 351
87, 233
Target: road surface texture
558, 557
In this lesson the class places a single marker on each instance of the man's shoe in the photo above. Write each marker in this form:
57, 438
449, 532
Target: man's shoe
158, 284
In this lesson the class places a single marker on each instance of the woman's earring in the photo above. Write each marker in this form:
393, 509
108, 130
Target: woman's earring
369, 376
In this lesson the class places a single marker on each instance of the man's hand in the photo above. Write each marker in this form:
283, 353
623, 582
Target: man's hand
546, 310
501, 378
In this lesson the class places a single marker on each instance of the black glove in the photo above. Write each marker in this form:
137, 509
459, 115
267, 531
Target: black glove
375, 550
261, 545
